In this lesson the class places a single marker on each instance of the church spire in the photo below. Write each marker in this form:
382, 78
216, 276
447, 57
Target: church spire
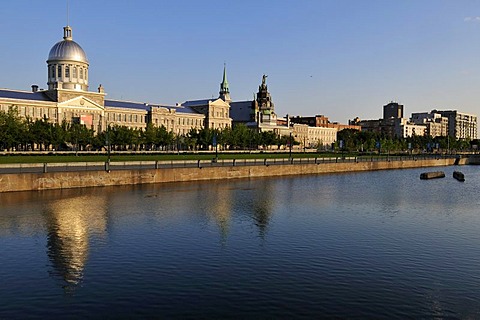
224, 89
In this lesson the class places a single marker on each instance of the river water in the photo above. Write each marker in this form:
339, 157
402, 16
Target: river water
381, 244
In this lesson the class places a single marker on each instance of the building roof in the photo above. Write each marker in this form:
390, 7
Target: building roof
127, 105
183, 109
240, 111
193, 103
67, 49
146, 106
24, 95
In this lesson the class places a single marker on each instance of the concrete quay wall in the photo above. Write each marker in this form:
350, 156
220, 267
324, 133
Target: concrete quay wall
65, 180
474, 159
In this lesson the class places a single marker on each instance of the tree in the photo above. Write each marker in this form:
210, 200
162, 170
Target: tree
13, 129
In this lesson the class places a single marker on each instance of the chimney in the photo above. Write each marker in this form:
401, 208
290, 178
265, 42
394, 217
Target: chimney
34, 88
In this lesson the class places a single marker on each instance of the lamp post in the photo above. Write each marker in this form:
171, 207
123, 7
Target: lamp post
290, 143
215, 144
107, 164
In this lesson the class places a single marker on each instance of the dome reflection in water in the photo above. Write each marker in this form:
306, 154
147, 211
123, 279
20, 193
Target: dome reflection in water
70, 223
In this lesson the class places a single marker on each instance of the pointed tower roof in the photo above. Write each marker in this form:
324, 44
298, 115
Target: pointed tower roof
224, 89
224, 85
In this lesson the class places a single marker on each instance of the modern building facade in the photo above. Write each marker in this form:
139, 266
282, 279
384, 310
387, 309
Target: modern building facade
393, 110
436, 125
461, 125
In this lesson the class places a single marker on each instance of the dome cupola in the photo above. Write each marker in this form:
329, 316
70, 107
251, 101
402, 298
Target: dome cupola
67, 64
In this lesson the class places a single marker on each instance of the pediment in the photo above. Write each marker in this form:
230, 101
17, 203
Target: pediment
81, 102
219, 102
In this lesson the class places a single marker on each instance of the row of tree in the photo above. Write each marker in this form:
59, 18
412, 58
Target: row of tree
17, 133
354, 140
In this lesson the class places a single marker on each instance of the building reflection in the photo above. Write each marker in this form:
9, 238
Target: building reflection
70, 223
220, 208
262, 204
254, 198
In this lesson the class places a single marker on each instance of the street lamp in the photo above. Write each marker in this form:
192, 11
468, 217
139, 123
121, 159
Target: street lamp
107, 164
290, 143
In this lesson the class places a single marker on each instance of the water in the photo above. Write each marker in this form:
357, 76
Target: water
363, 245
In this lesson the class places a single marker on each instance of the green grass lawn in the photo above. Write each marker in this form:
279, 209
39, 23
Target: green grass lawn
8, 159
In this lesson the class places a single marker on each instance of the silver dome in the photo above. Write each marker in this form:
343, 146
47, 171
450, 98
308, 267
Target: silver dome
67, 50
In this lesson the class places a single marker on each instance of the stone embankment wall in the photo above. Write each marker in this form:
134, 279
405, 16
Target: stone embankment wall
61, 180
474, 159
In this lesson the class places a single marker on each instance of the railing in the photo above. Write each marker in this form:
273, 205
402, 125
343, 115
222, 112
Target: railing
169, 164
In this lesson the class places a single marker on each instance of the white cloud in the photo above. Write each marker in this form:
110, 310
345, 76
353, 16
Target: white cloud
472, 19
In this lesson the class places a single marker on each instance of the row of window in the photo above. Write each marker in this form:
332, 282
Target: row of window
189, 122
220, 114
52, 113
126, 117
37, 113
55, 71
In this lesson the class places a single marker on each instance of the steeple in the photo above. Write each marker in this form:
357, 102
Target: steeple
224, 89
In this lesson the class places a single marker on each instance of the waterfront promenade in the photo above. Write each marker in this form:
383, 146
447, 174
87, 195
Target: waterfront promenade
30, 177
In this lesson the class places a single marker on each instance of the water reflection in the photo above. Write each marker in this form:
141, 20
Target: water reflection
363, 245
70, 222
263, 205
220, 209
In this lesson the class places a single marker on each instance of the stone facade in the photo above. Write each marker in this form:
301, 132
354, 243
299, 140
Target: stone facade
68, 99
322, 121
314, 137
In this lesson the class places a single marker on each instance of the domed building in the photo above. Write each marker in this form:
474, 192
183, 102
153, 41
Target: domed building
67, 99
67, 64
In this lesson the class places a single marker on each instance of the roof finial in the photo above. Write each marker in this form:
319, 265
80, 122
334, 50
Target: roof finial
68, 11
67, 31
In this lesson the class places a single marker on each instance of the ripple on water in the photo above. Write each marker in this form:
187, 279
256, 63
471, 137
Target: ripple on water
366, 245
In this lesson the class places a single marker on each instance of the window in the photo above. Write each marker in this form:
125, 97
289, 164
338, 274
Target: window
59, 71
67, 72
53, 71
75, 72
81, 73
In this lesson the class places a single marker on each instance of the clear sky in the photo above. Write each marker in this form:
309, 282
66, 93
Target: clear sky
339, 58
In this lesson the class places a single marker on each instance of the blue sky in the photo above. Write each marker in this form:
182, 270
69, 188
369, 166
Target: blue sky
339, 58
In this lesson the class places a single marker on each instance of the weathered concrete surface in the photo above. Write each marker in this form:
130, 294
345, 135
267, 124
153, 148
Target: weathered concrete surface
64, 180
474, 159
